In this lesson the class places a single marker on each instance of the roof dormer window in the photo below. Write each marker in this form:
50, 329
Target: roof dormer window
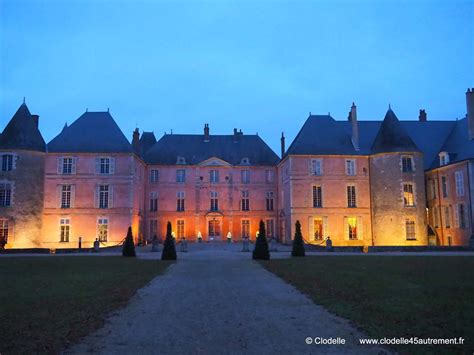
180, 160
443, 158
245, 161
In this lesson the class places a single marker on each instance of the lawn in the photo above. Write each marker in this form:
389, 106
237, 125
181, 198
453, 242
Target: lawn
392, 296
48, 302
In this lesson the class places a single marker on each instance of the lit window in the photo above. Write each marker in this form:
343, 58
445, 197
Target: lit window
5, 194
7, 162
180, 201
64, 230
350, 167
351, 196
3, 233
154, 175
316, 167
245, 202
318, 229
180, 175
245, 176
103, 229
153, 201
352, 228
408, 196
180, 228
214, 176
317, 197
410, 229
459, 183
270, 201
407, 164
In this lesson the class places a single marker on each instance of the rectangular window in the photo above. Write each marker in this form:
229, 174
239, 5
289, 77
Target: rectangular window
269, 201
153, 201
350, 167
64, 229
180, 201
352, 228
447, 216
154, 175
214, 176
317, 197
433, 188
180, 228
180, 175
407, 164
444, 186
245, 202
436, 217
410, 229
270, 228
245, 176
245, 228
351, 196
7, 162
269, 176
318, 229
316, 167
153, 229
103, 229
462, 216
67, 165
3, 232
5, 195
104, 165
66, 191
408, 196
214, 201
459, 183
104, 196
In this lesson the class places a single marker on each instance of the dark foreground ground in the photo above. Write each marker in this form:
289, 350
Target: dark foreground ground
399, 296
48, 302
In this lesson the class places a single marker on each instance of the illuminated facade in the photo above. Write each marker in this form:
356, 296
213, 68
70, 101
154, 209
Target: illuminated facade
361, 183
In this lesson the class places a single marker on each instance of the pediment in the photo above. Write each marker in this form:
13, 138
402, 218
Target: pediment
214, 161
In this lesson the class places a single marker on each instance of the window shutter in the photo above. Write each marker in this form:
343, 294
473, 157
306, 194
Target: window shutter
456, 215
346, 231
360, 226
73, 168
111, 196
97, 165
73, 196
325, 227
310, 170
60, 165
112, 166
311, 228
96, 196
468, 215
58, 194
14, 159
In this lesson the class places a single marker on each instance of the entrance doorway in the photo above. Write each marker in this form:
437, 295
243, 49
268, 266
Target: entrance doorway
214, 229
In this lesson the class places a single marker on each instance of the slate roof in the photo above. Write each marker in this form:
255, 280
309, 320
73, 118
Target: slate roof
93, 132
322, 135
392, 137
147, 140
195, 150
22, 133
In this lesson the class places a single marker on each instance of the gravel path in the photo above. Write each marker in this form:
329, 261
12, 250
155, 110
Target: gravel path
220, 302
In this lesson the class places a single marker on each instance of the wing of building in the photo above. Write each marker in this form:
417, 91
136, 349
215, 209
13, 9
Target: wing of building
386, 182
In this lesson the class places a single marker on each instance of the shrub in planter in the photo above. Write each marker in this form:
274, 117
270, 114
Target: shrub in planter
169, 248
128, 244
261, 245
298, 245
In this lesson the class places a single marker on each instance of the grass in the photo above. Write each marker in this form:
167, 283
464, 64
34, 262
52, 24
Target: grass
47, 303
385, 296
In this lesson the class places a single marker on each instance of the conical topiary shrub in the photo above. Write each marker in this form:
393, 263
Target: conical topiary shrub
298, 245
128, 244
261, 245
169, 249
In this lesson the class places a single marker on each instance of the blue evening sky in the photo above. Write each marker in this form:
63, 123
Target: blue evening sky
256, 65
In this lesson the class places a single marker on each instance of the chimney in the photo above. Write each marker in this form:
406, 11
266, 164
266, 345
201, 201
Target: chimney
355, 127
206, 132
136, 141
422, 116
470, 112
282, 144
36, 119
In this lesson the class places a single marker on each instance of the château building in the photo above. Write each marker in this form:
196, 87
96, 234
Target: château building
362, 183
